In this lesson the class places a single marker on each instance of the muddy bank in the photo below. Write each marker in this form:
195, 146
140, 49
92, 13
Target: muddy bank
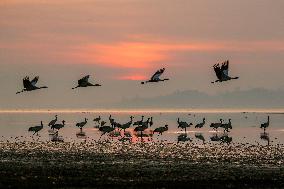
107, 164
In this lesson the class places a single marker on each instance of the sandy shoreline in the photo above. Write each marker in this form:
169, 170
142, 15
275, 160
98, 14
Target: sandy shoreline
107, 164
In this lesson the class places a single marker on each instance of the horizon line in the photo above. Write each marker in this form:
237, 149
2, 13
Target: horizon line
161, 110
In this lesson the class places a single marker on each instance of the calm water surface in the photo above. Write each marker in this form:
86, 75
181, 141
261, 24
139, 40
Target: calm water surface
14, 126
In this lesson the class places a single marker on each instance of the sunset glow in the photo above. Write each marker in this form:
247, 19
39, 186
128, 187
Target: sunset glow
122, 42
147, 54
126, 55
133, 77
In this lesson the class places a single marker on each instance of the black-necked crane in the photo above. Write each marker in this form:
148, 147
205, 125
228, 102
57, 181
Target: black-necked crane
146, 123
160, 130
52, 122
103, 123
183, 124
84, 82
139, 122
151, 122
82, 124
30, 85
216, 125
127, 125
200, 125
58, 125
266, 124
106, 129
36, 129
97, 119
141, 129
111, 120
156, 77
227, 126
222, 72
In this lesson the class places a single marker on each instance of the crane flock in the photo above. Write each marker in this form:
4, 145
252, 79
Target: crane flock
222, 73
141, 129
142, 125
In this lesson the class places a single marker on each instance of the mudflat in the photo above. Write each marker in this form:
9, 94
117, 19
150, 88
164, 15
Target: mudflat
126, 165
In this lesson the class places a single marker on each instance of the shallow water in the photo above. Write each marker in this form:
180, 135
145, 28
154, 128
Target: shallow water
14, 126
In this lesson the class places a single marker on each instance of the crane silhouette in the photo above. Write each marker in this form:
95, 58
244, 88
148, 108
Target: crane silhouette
82, 124
52, 122
160, 130
58, 125
84, 82
156, 77
200, 125
36, 129
183, 124
222, 72
30, 85
266, 124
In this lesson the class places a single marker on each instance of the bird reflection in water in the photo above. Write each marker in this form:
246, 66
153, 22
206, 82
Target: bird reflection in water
200, 137
56, 138
130, 135
265, 136
81, 134
224, 138
183, 138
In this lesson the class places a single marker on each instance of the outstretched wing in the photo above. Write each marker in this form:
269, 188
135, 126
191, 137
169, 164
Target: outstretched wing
34, 81
157, 75
26, 82
83, 80
225, 68
218, 71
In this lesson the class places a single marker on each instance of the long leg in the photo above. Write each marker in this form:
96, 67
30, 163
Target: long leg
101, 136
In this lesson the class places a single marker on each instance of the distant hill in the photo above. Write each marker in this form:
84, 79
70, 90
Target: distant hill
253, 98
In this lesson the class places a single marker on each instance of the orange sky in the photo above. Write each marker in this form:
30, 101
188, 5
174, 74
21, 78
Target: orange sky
145, 54
127, 40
